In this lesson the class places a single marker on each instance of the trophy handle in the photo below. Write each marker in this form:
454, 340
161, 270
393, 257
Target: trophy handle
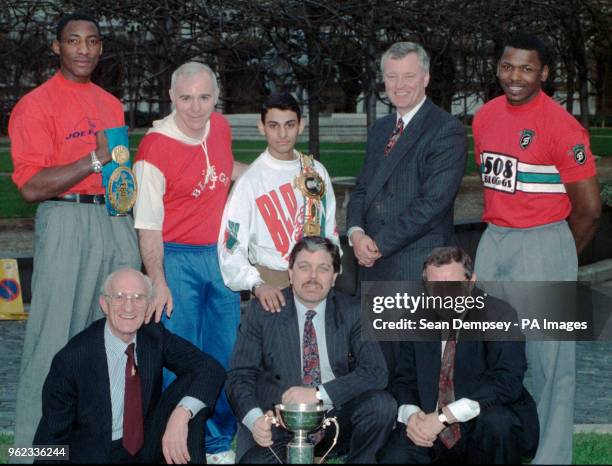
326, 423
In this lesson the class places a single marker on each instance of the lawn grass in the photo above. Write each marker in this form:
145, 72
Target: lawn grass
588, 449
340, 159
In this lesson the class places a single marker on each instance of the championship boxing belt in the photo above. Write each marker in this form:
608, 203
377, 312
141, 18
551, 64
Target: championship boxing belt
312, 186
117, 176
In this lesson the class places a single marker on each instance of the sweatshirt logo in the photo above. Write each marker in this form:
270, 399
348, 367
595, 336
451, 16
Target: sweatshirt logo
526, 138
231, 236
85, 128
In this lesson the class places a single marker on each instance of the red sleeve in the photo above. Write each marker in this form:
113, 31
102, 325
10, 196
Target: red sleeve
572, 153
32, 142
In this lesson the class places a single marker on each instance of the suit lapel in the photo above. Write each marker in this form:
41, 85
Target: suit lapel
101, 384
145, 367
290, 342
332, 339
429, 372
403, 147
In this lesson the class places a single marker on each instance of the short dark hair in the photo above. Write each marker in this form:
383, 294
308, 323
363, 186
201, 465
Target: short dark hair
314, 244
80, 15
526, 41
282, 101
449, 255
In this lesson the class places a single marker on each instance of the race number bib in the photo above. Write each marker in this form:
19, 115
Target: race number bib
499, 171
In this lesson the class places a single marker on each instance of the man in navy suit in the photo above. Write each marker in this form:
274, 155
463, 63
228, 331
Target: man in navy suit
462, 400
276, 359
402, 206
103, 395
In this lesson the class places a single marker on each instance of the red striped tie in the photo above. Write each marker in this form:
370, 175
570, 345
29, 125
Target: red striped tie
446, 392
397, 132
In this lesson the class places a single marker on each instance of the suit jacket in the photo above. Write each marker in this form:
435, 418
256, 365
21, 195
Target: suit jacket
405, 201
267, 357
76, 394
489, 372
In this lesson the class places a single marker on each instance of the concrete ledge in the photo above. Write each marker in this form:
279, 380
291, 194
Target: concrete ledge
598, 272
593, 428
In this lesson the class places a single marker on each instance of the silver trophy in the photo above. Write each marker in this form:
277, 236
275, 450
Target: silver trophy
302, 419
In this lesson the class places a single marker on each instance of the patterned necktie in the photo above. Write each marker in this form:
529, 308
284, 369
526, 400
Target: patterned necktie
133, 426
312, 368
397, 132
446, 391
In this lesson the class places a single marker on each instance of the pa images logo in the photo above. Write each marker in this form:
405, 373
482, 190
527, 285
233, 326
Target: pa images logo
526, 138
579, 153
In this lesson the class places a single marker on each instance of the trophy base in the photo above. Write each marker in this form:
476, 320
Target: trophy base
300, 453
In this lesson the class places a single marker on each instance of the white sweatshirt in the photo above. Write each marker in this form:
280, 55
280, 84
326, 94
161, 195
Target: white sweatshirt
263, 219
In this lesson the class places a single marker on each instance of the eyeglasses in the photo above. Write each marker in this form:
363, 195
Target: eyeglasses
120, 299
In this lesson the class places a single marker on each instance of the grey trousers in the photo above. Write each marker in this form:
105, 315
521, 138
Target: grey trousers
75, 247
546, 253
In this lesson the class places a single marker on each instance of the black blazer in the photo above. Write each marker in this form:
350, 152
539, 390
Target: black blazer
490, 372
405, 201
266, 359
76, 394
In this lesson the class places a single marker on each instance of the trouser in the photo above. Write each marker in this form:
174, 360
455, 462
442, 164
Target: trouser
365, 423
493, 437
207, 314
155, 426
75, 247
546, 253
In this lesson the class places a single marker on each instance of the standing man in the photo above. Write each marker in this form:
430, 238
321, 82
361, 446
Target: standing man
310, 352
402, 206
542, 206
58, 150
270, 208
184, 166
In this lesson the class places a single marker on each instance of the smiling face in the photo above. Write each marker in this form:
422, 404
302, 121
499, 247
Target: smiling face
194, 98
521, 74
405, 82
281, 130
312, 276
124, 304
79, 50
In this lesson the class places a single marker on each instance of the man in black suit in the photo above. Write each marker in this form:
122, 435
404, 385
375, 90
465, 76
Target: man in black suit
462, 400
309, 352
103, 395
402, 206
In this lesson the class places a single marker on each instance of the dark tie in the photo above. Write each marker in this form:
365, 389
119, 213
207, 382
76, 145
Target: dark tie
397, 132
312, 367
446, 391
133, 428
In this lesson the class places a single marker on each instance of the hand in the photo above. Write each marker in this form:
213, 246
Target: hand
300, 395
431, 425
262, 430
415, 431
174, 441
162, 298
102, 148
365, 249
270, 297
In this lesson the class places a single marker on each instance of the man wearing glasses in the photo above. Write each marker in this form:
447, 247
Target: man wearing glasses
106, 383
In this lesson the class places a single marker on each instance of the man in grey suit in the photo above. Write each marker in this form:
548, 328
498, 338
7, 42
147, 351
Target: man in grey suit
309, 352
402, 206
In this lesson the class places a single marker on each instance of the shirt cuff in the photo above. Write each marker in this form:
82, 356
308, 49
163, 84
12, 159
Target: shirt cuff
324, 396
405, 411
351, 231
192, 404
464, 409
251, 417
